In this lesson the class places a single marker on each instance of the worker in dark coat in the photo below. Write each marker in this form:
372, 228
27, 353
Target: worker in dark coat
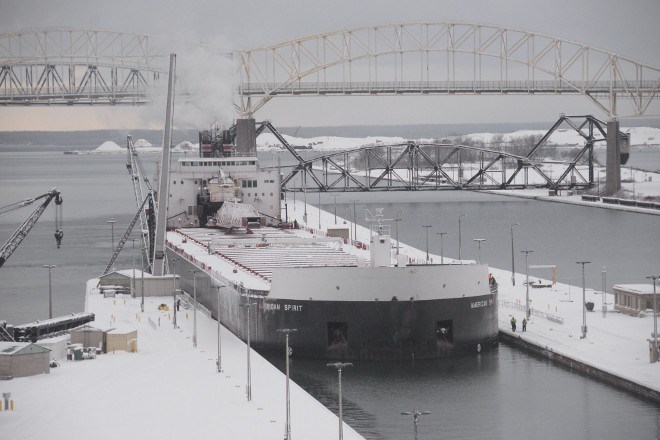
524, 324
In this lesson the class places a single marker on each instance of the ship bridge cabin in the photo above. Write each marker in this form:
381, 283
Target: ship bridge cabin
200, 185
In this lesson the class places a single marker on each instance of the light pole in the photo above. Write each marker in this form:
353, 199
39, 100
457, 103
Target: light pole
479, 241
396, 229
354, 221
50, 291
142, 278
287, 428
335, 196
319, 210
248, 388
219, 361
350, 228
442, 243
459, 234
112, 222
415, 414
655, 317
602, 297
584, 301
194, 338
174, 260
513, 259
527, 310
339, 366
427, 241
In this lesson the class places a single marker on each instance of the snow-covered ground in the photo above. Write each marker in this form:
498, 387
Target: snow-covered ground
267, 141
167, 390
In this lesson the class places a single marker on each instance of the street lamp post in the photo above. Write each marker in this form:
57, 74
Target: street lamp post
527, 310
350, 228
602, 297
319, 210
655, 317
174, 260
194, 338
248, 388
335, 196
142, 278
442, 249
479, 241
396, 229
50, 291
287, 428
415, 414
112, 222
459, 234
584, 301
427, 241
354, 221
513, 259
339, 366
219, 361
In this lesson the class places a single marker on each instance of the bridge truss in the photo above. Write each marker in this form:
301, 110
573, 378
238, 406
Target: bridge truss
422, 166
67, 66
444, 58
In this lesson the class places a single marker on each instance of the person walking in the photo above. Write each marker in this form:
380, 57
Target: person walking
513, 323
524, 324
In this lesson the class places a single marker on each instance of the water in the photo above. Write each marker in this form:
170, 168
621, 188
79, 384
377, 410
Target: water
500, 394
641, 158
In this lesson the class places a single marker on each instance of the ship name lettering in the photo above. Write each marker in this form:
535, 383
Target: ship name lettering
293, 307
268, 306
477, 304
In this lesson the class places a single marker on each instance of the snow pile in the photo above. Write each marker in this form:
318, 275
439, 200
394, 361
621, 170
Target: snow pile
109, 147
142, 143
185, 146
267, 141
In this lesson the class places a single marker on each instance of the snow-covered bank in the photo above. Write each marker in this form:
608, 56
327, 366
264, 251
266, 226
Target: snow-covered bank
167, 390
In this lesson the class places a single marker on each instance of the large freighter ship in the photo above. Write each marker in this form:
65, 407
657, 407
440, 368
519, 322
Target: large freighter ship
347, 299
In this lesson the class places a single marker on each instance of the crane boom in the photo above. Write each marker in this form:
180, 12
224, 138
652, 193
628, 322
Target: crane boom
127, 234
19, 234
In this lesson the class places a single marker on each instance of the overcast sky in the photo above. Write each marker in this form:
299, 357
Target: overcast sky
628, 28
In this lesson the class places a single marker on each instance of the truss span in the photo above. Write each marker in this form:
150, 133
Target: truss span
434, 166
444, 58
78, 66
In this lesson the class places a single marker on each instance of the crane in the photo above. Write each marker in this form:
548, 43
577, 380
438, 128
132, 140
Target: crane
17, 237
138, 176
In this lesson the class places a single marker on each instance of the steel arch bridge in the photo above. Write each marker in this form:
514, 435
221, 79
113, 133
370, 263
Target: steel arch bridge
75, 66
444, 59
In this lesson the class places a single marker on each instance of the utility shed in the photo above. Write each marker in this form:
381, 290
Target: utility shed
634, 299
124, 338
21, 359
122, 281
90, 336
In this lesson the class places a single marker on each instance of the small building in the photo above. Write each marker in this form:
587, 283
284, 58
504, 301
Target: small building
57, 347
124, 338
90, 336
634, 299
122, 281
21, 359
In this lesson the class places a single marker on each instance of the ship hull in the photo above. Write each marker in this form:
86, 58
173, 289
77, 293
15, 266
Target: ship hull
350, 330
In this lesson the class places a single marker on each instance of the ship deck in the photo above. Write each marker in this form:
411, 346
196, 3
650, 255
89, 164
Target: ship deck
260, 252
